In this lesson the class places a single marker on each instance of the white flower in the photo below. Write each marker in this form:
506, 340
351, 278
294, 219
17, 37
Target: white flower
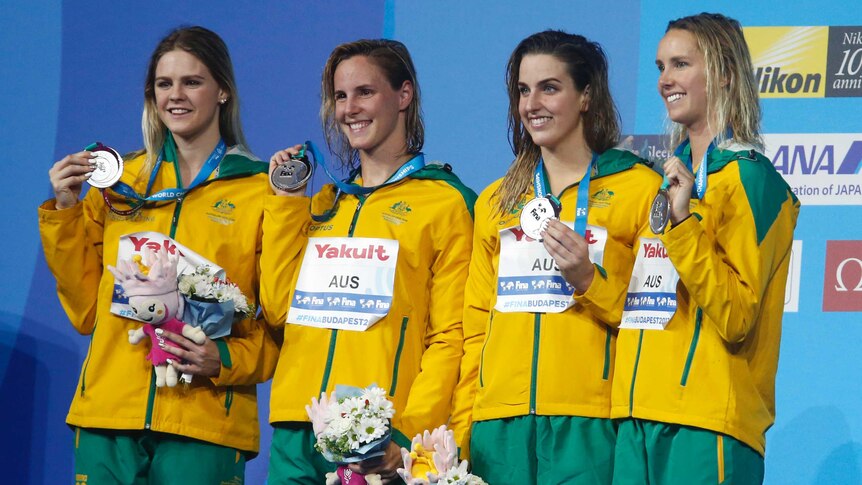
371, 428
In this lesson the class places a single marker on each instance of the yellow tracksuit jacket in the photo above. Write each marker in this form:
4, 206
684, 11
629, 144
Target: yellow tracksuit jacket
551, 363
415, 350
221, 220
714, 365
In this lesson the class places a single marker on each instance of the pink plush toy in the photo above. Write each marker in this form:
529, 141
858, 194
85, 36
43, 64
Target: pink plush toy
150, 283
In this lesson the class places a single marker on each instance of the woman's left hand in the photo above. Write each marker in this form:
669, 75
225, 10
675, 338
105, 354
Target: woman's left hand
571, 252
201, 360
386, 467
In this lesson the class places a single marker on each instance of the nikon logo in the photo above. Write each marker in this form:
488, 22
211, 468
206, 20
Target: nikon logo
772, 80
789, 62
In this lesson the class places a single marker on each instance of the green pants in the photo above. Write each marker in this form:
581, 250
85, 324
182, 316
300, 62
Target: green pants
659, 453
543, 450
104, 456
293, 459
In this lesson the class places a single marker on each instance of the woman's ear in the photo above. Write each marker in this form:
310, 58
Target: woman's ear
406, 95
585, 99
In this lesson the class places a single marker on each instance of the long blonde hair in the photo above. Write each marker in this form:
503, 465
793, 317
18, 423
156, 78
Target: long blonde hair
731, 88
393, 58
211, 50
587, 64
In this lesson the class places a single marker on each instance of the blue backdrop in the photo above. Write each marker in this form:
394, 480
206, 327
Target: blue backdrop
72, 72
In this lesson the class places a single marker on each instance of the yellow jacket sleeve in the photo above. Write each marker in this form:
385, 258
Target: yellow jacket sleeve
72, 242
478, 293
430, 398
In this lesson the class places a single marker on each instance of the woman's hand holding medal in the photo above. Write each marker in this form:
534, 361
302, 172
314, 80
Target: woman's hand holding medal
571, 252
681, 181
289, 171
68, 175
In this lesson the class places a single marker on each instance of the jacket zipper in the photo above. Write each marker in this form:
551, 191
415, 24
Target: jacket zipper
694, 338
537, 329
334, 333
635, 372
607, 369
484, 345
398, 356
151, 399
89, 355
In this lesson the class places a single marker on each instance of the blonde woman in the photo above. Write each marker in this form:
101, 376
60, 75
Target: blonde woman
697, 397
126, 429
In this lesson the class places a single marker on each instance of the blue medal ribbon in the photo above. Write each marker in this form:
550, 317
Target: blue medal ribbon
699, 188
347, 186
169, 151
542, 188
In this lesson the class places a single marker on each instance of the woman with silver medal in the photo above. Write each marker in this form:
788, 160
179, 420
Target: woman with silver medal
127, 429
696, 398
417, 216
554, 243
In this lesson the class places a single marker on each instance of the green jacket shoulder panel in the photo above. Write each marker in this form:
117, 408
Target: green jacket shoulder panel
444, 173
614, 161
765, 190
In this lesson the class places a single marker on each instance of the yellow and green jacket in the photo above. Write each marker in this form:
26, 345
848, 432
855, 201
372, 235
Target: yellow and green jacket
415, 350
714, 365
551, 363
221, 220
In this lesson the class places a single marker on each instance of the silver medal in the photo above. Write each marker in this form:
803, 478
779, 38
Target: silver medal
659, 212
108, 167
536, 214
292, 174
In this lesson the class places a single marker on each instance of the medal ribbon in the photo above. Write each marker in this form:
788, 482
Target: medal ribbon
169, 151
348, 187
542, 188
699, 188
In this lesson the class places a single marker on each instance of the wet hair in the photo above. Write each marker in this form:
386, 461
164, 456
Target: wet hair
731, 89
587, 65
395, 62
211, 50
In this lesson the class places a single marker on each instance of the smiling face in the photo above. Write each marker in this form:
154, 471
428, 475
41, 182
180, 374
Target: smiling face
682, 79
368, 110
187, 96
550, 105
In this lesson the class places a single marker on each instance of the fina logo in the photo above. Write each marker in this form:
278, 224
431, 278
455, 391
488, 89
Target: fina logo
839, 275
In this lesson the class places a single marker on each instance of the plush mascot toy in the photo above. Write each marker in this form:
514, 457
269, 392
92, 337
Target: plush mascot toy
150, 283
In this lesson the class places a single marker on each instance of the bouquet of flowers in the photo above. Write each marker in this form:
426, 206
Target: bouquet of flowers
351, 425
433, 460
211, 302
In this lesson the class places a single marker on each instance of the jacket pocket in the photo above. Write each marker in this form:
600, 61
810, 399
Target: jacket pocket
484, 345
89, 356
398, 356
228, 400
691, 349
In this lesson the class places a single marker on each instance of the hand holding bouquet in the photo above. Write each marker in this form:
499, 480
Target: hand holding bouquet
433, 460
351, 425
211, 302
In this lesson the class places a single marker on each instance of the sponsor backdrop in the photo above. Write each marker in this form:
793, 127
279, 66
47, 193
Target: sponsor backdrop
72, 74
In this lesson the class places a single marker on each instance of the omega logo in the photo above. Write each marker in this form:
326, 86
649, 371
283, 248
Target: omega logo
839, 275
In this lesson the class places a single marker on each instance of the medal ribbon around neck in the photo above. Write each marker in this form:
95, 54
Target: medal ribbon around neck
699, 188
542, 188
169, 151
347, 187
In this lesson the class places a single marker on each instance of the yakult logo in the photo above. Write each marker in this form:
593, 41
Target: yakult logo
521, 236
654, 250
842, 283
372, 251
155, 245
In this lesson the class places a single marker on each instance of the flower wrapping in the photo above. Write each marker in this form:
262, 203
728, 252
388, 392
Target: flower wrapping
352, 424
211, 302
